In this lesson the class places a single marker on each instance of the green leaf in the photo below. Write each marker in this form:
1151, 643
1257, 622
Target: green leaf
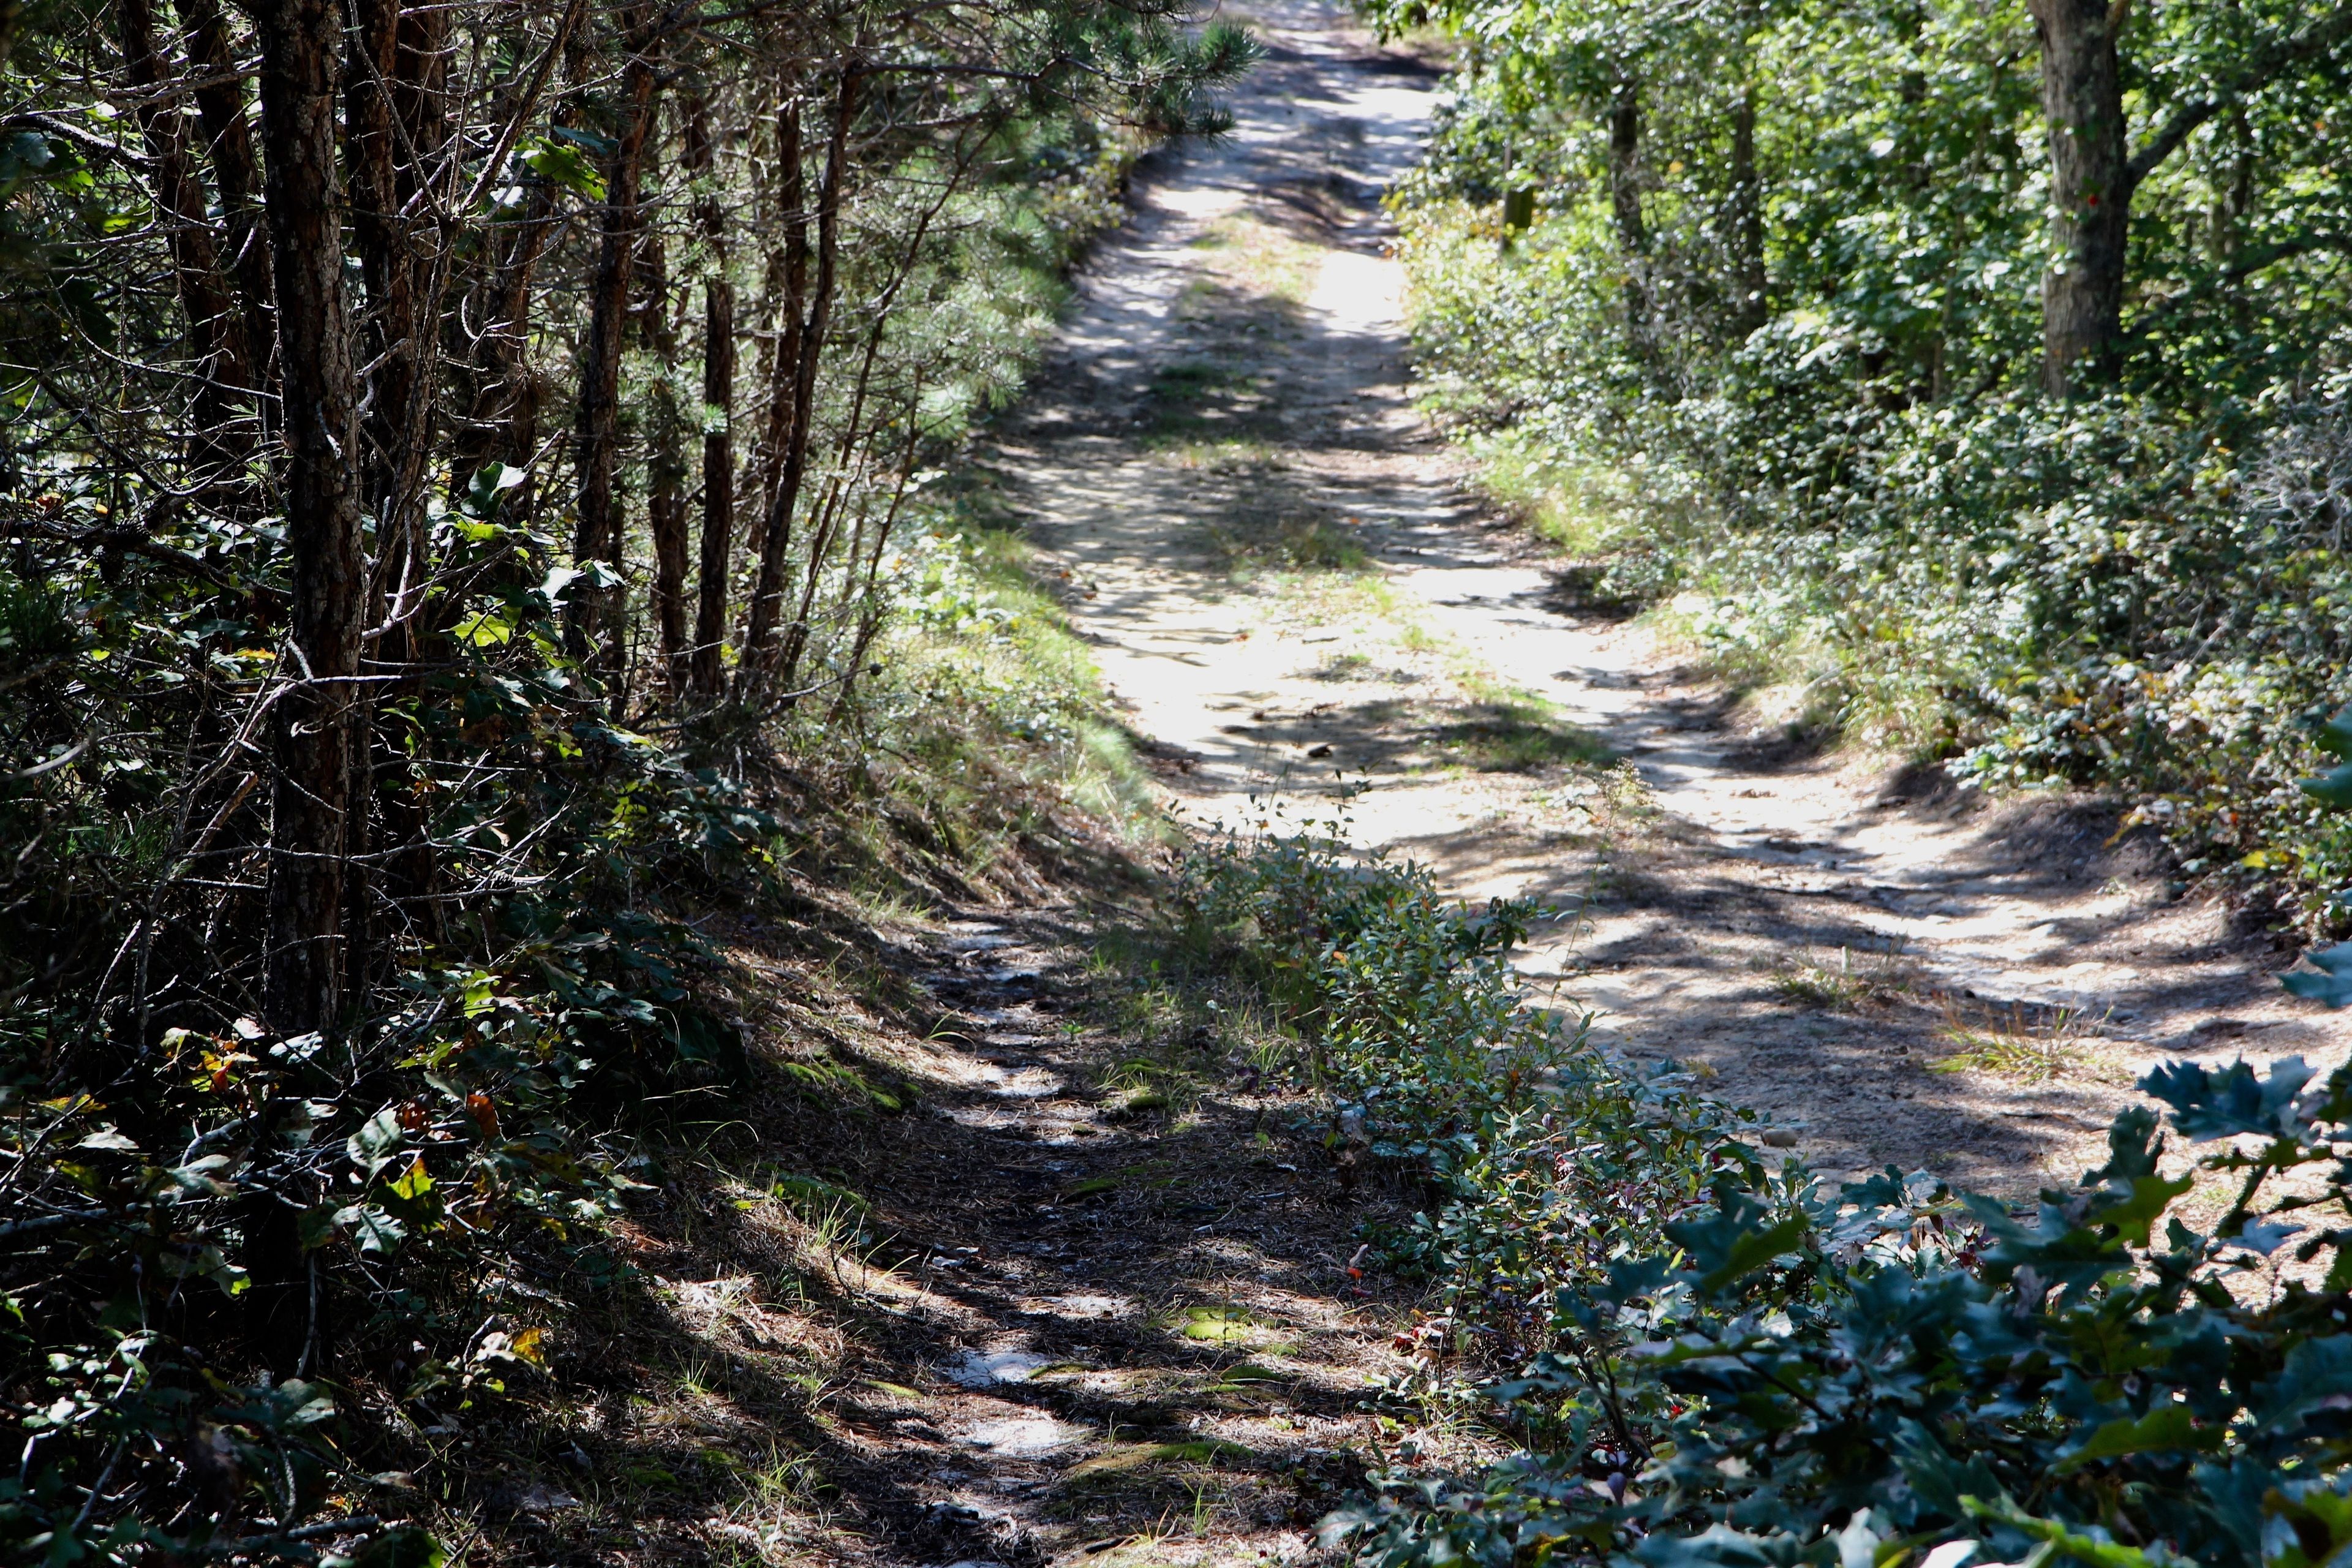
371, 1229
407, 1546
482, 496
2332, 788
2149, 1196
2094, 1549
2332, 986
414, 1182
557, 582
563, 166
487, 629
1735, 1243
2207, 1105
2168, 1429
481, 986
372, 1147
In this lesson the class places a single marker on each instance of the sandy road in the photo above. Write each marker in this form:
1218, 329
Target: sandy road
1292, 588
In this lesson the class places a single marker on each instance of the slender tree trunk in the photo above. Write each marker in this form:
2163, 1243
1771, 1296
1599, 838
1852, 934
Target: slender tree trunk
705, 663
1749, 285
845, 481
665, 471
387, 257
311, 726
222, 438
1625, 205
298, 41
1625, 168
228, 136
394, 131
761, 636
502, 424
717, 484
596, 430
783, 303
387, 345
2090, 188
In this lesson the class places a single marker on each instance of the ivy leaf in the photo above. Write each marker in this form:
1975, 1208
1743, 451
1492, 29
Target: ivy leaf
2332, 986
2207, 1105
2167, 1429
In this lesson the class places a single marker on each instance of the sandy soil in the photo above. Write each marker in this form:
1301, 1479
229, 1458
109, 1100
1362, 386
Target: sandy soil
1295, 593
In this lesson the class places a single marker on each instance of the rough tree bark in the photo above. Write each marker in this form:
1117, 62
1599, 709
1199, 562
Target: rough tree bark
596, 429
310, 721
1748, 279
783, 302
311, 718
665, 498
1626, 204
2090, 186
229, 137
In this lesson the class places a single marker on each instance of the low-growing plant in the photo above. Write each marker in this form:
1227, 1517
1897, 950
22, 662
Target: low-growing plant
1537, 1157
2016, 1041
1802, 1378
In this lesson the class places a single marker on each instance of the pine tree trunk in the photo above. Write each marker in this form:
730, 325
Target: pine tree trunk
2090, 189
666, 438
1749, 285
312, 738
596, 430
705, 663
762, 635
311, 719
718, 486
228, 134
1625, 206
784, 303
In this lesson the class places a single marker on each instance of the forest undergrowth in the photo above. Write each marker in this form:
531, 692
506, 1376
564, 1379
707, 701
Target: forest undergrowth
1974, 376
486, 642
1702, 1358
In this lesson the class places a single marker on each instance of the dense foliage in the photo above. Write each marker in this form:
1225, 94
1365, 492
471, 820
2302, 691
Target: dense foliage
457, 470
1724, 1366
1845, 1379
1768, 304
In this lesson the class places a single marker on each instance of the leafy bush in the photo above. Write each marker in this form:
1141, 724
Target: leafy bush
1771, 339
1850, 1380
1540, 1158
1898, 1373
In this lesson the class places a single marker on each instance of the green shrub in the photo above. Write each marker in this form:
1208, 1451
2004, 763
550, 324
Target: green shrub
1539, 1158
1853, 1380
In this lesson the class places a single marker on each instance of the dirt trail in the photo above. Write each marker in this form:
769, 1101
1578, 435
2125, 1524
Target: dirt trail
1292, 589
1118, 1331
